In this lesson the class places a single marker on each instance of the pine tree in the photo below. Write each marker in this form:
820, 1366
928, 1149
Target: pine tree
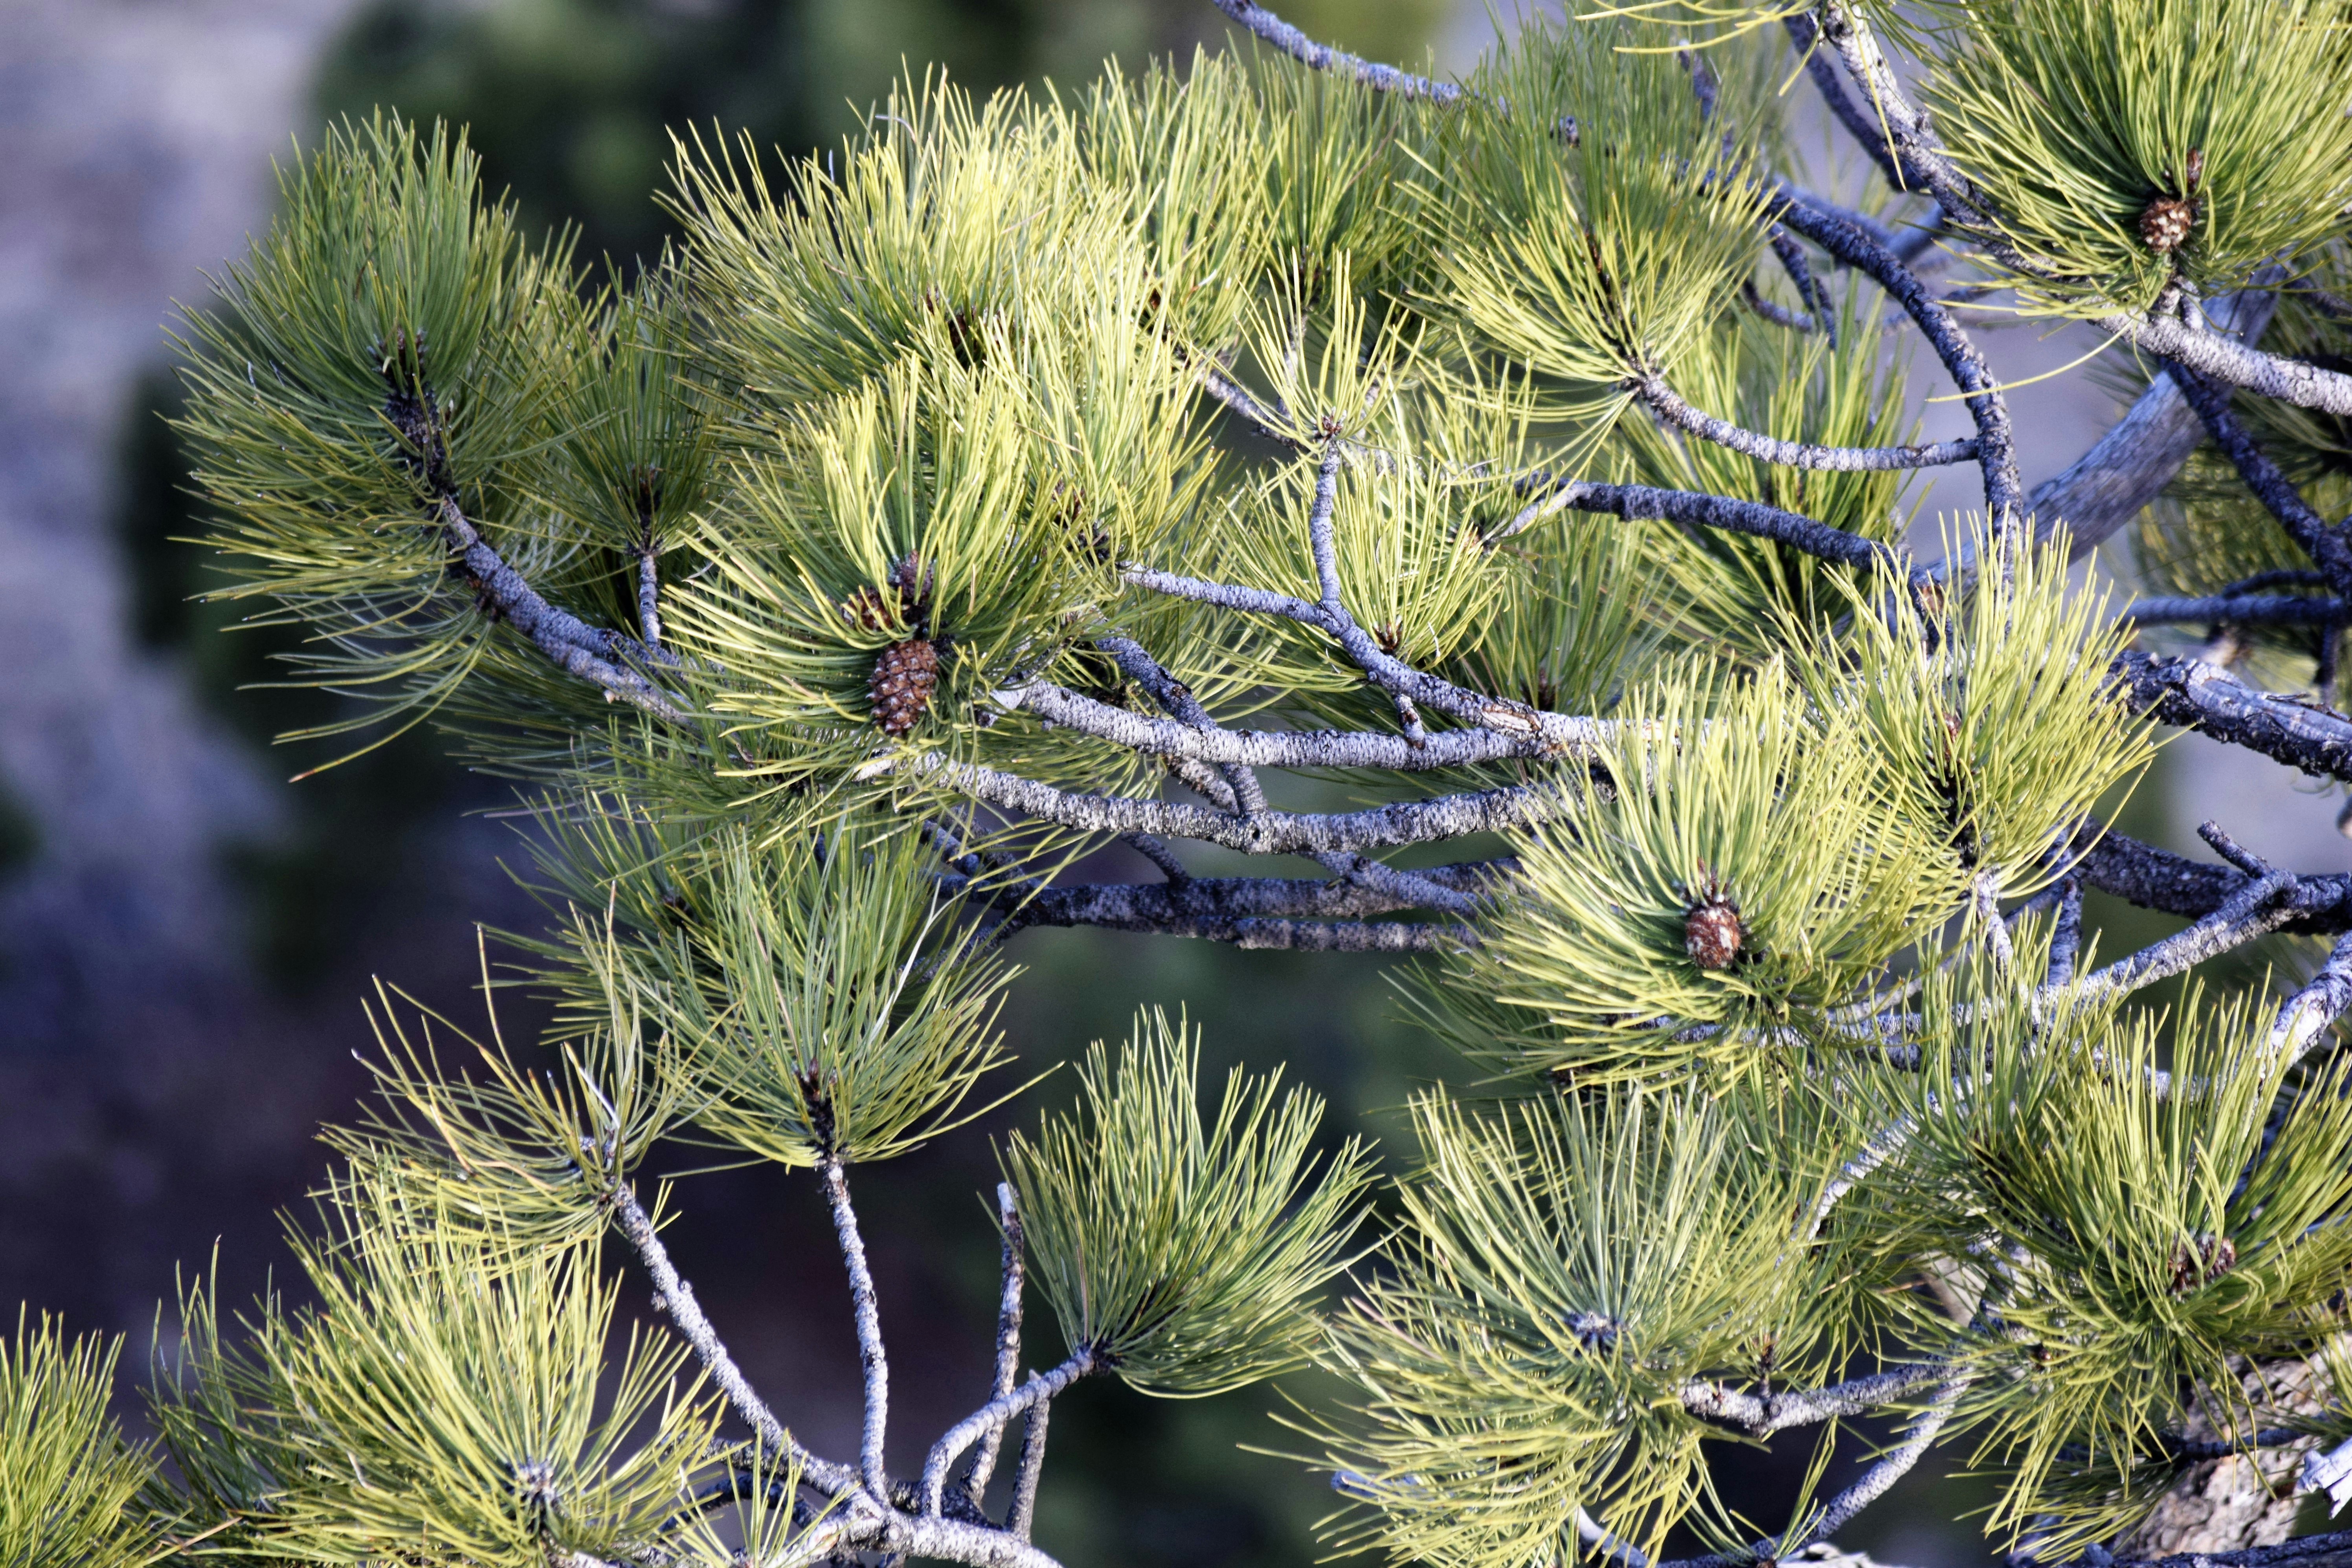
1523, 459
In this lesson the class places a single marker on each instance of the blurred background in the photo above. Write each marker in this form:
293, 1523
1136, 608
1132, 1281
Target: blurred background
187, 936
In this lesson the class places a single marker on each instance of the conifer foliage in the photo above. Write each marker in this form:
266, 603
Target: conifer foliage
1522, 463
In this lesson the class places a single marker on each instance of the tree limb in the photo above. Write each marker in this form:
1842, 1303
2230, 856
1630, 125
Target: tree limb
1662, 399
870, 1354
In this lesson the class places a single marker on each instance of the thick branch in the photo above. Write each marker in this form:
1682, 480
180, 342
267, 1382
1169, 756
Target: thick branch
2306, 1014
1268, 833
2153, 878
2194, 694
2225, 359
1670, 407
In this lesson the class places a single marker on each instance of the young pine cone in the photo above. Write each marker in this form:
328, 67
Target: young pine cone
2164, 224
904, 674
1712, 933
2208, 1260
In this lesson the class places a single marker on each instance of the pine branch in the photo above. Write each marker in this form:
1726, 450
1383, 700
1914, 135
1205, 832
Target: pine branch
871, 1356
2307, 1014
1272, 28
2193, 694
2323, 542
993, 1417
1138, 665
1391, 674
2232, 364
1269, 832
1691, 508
1023, 1511
2242, 609
674, 1298
1669, 407
1962, 360
1867, 132
1761, 1414
2153, 878
1842, 1509
1008, 1338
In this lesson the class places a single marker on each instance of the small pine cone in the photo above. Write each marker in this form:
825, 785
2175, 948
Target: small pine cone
1712, 933
904, 674
867, 610
2209, 1260
2164, 224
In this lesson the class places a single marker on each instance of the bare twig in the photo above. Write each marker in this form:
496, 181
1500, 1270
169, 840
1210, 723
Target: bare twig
1266, 25
993, 1416
1761, 1414
674, 1297
1008, 1338
1662, 399
870, 1354
1024, 1512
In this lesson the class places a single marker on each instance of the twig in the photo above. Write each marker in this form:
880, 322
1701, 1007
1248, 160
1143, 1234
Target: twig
994, 1415
1024, 1512
1662, 399
2319, 539
1761, 1414
674, 1297
870, 1353
1266, 25
2305, 1015
1008, 1337
2241, 609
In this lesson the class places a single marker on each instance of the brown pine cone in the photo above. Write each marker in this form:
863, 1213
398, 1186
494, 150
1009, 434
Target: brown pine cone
1712, 933
904, 675
2164, 223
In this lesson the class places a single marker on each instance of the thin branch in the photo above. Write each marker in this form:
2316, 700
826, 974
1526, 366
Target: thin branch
2152, 878
1178, 702
1962, 360
1692, 509
674, 1298
1761, 1414
1391, 675
2257, 909
649, 594
1266, 25
2241, 609
1842, 1509
1816, 297
1805, 33
870, 1354
993, 1416
2319, 539
1008, 1337
2066, 937
1662, 399
1159, 854
1269, 832
1024, 1512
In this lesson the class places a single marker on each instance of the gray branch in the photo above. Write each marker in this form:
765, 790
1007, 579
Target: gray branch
1670, 407
1692, 509
993, 1417
2194, 694
2225, 359
1268, 833
2242, 609
1008, 1338
1842, 1509
1962, 360
674, 1297
2319, 539
1266, 25
870, 1354
1024, 1512
1761, 1414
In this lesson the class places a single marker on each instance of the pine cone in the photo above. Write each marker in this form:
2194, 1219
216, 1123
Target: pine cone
909, 583
2209, 1260
904, 675
1712, 933
2164, 224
